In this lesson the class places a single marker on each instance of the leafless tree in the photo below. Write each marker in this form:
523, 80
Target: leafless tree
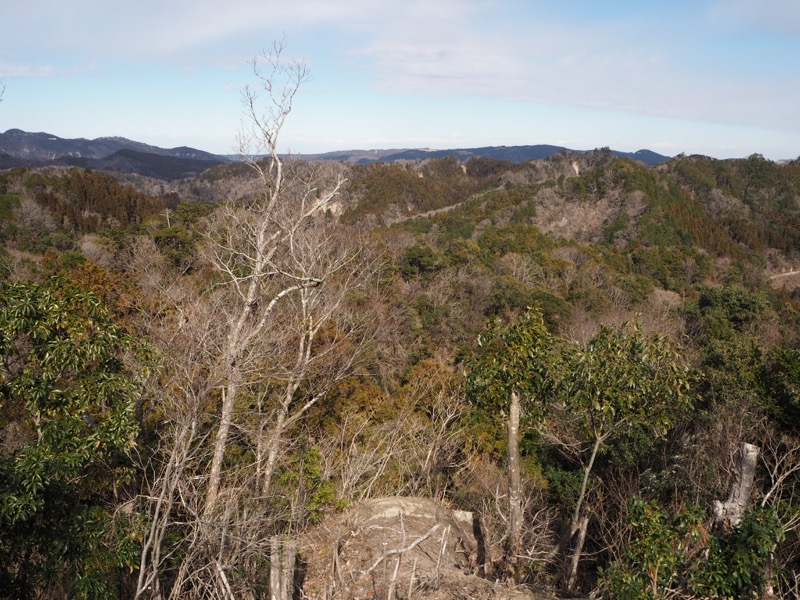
249, 348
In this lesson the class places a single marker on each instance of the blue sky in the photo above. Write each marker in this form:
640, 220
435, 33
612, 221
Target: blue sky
715, 77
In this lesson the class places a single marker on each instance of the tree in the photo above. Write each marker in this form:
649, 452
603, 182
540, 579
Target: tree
262, 249
577, 398
271, 333
68, 401
674, 555
619, 380
513, 370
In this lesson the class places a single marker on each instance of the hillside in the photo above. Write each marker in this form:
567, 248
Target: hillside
374, 328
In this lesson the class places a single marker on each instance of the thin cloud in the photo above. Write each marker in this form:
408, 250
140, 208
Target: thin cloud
611, 67
12, 71
688, 61
778, 16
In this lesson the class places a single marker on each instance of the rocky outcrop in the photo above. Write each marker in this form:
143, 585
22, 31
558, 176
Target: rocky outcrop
399, 548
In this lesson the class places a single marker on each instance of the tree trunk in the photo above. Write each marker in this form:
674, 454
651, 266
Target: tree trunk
728, 514
579, 524
281, 568
287, 570
270, 447
514, 481
583, 525
275, 568
220, 441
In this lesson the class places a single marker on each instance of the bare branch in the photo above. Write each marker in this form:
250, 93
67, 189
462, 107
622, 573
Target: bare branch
399, 551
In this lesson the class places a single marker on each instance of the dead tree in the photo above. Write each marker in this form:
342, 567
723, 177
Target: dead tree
514, 481
728, 514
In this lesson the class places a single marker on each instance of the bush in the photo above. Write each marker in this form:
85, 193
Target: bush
674, 555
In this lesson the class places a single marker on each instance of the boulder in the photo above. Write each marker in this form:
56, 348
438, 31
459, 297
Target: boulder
398, 548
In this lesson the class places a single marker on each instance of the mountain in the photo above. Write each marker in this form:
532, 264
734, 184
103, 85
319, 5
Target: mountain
118, 154
45, 147
515, 154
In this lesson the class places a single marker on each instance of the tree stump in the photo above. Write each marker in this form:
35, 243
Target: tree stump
728, 514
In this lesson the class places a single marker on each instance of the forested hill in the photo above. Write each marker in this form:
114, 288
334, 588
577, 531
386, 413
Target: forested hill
192, 367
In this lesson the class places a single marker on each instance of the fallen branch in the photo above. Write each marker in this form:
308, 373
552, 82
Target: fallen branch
411, 546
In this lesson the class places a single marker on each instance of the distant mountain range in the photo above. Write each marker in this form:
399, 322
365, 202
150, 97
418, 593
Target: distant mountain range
23, 149
515, 154
20, 148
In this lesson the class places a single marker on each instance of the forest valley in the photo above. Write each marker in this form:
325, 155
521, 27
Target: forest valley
598, 359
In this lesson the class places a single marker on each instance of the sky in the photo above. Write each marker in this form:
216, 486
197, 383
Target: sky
713, 77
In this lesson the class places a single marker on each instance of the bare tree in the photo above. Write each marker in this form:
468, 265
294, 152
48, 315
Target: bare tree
259, 247
265, 335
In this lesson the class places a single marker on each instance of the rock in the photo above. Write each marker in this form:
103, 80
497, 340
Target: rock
399, 548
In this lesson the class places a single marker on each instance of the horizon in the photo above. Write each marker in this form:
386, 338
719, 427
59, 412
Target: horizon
339, 150
712, 77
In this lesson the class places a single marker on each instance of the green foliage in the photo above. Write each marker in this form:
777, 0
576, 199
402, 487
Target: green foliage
623, 378
5, 263
190, 213
671, 555
510, 296
522, 239
779, 383
482, 167
633, 176
430, 313
9, 176
685, 226
85, 201
66, 391
509, 196
590, 185
453, 225
462, 252
673, 268
176, 243
767, 190
515, 358
380, 186
419, 260
618, 225
723, 313
656, 555
302, 476
417, 226
8, 202
58, 240
736, 565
